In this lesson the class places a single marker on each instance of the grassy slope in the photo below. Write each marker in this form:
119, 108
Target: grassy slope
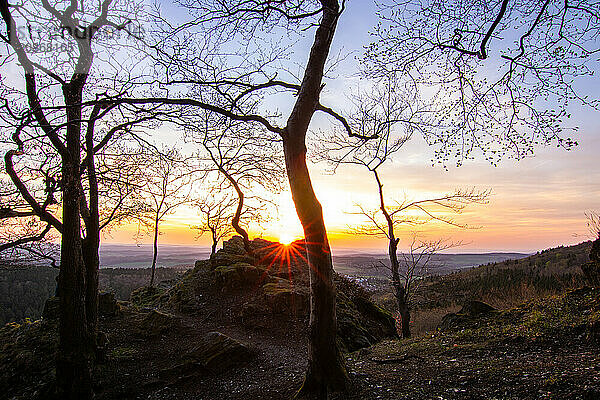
546, 348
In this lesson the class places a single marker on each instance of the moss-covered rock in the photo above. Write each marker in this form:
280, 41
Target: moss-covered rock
107, 305
283, 298
468, 315
27, 359
237, 275
281, 273
147, 296
157, 322
353, 329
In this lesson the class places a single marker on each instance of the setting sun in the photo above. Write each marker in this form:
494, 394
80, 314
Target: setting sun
286, 238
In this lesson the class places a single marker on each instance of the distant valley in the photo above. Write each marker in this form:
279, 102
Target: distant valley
360, 264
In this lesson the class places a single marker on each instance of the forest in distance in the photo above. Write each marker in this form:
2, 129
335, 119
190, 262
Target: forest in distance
24, 291
263, 199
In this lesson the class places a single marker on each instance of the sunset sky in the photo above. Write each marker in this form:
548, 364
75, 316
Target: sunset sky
537, 203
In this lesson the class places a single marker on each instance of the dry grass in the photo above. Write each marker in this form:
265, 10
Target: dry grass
515, 296
427, 320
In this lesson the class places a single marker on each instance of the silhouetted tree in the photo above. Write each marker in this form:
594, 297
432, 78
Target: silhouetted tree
247, 159
166, 187
54, 118
408, 272
217, 213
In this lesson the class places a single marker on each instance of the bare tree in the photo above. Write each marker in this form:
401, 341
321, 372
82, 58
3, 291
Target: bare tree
217, 213
593, 224
385, 116
248, 160
386, 220
408, 274
166, 187
24, 238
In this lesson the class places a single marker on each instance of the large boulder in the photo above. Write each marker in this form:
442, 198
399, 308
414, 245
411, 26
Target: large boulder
468, 315
361, 323
218, 352
474, 308
215, 353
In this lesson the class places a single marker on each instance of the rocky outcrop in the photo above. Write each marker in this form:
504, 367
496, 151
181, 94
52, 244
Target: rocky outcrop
238, 275
27, 359
284, 298
216, 353
279, 278
270, 285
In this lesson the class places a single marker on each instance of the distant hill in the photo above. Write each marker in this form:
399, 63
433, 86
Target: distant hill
510, 282
140, 256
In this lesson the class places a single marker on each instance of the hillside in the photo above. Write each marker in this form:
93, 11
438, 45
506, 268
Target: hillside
544, 349
508, 283
360, 264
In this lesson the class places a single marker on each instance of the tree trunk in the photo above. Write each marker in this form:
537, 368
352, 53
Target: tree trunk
91, 244
326, 370
91, 259
399, 288
235, 221
404, 312
400, 291
213, 248
76, 344
155, 251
